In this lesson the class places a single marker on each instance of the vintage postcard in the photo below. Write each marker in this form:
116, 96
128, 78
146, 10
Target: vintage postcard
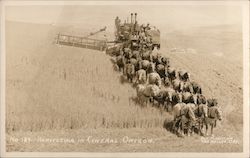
124, 79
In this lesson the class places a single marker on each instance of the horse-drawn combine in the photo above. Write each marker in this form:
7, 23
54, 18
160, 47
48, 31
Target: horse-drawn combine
155, 80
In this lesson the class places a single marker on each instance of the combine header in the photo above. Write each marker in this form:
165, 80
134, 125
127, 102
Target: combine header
83, 42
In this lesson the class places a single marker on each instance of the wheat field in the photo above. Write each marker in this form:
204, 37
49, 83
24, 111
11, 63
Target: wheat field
64, 91
70, 88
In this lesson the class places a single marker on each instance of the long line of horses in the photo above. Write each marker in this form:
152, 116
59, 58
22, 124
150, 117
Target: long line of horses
158, 83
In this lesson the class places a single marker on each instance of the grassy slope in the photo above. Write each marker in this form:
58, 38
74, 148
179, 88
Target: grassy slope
51, 87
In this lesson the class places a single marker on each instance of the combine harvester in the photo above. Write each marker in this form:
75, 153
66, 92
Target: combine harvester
125, 33
133, 46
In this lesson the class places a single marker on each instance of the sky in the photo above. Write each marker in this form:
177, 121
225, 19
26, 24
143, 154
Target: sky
164, 17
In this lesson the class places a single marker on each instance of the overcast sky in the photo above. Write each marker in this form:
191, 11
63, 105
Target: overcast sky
164, 17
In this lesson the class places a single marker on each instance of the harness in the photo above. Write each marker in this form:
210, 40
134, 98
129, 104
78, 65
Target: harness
200, 117
182, 112
199, 114
211, 111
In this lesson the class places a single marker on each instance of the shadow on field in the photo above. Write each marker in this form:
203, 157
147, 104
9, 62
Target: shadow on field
136, 101
113, 60
123, 79
168, 125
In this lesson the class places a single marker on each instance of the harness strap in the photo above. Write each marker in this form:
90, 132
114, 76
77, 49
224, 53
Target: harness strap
199, 110
180, 115
210, 114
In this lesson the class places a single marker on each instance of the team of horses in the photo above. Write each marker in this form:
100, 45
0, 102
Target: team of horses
158, 83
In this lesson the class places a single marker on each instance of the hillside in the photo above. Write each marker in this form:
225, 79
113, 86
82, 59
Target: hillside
216, 63
58, 91
218, 41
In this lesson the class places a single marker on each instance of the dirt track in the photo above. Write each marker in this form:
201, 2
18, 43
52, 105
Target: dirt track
220, 77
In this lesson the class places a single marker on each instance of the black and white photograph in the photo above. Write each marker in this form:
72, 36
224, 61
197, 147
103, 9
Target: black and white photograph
115, 79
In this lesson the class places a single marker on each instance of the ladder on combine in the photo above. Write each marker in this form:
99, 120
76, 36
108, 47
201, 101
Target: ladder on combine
83, 42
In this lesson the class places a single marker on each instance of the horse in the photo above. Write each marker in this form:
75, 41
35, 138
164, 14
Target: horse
165, 61
127, 53
146, 56
142, 96
164, 97
146, 93
214, 114
177, 85
154, 78
120, 62
161, 97
201, 114
188, 122
130, 71
187, 87
169, 97
200, 111
141, 77
160, 69
144, 64
167, 82
157, 59
188, 97
184, 75
170, 73
135, 54
196, 87
135, 62
151, 68
183, 114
